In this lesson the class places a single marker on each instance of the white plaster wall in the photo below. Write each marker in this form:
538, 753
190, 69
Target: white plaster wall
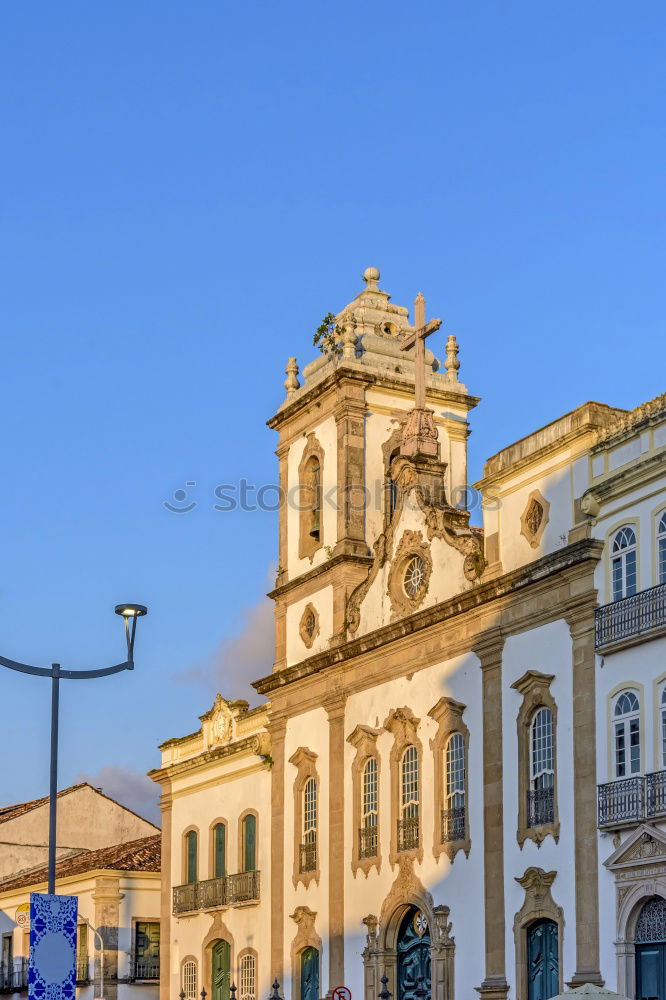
309, 730
547, 649
639, 508
296, 648
326, 433
556, 487
223, 791
458, 885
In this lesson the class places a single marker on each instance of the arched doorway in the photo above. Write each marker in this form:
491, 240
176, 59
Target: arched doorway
309, 974
543, 973
221, 965
650, 938
413, 952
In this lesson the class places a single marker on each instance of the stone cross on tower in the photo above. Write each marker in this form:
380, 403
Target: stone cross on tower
419, 436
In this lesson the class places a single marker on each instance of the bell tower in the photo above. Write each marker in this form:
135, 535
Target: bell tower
340, 431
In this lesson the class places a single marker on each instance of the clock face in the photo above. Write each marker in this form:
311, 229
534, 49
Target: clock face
420, 923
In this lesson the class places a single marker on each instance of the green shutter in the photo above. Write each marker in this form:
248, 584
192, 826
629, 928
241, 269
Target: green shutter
220, 850
192, 857
250, 848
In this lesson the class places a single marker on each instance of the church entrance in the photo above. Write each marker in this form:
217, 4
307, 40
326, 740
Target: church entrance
650, 941
221, 970
543, 972
413, 948
310, 974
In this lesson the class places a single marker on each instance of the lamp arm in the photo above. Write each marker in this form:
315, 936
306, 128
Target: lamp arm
76, 675
25, 668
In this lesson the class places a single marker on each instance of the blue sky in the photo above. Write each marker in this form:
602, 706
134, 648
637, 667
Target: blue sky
186, 190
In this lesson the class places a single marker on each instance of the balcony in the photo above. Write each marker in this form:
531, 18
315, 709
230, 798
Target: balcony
145, 968
229, 890
368, 842
14, 975
308, 857
453, 825
633, 619
82, 972
540, 807
408, 833
632, 800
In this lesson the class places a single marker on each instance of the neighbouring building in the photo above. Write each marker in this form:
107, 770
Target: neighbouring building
458, 774
118, 888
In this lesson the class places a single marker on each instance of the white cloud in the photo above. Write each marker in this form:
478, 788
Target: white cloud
129, 787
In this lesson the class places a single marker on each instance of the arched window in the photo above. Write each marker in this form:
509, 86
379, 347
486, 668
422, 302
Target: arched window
541, 793
623, 562
453, 825
409, 800
189, 980
249, 843
309, 842
369, 809
313, 497
661, 548
627, 735
248, 978
219, 850
191, 856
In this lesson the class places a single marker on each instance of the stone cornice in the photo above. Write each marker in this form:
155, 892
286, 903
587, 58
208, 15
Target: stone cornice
479, 600
355, 371
639, 472
257, 744
316, 571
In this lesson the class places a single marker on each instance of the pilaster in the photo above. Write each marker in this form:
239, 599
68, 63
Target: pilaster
489, 648
581, 627
335, 709
166, 992
349, 415
106, 897
277, 728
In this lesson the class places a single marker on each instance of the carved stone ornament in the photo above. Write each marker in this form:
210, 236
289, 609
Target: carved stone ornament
410, 574
309, 626
218, 722
538, 905
535, 689
364, 741
534, 518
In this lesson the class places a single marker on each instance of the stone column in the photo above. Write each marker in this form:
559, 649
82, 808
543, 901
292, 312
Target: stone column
489, 650
277, 728
165, 894
335, 708
107, 896
581, 627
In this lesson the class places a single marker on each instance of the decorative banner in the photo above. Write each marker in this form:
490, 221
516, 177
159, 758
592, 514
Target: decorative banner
23, 916
52, 970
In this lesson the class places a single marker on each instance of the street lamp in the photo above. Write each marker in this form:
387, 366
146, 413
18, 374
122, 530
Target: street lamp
129, 612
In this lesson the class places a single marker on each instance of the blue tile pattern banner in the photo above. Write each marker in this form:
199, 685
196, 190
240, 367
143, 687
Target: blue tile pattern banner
52, 970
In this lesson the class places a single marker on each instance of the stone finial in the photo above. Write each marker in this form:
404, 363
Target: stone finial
452, 364
291, 382
349, 339
371, 277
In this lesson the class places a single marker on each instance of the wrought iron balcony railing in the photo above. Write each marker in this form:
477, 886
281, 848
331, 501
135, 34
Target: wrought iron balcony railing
308, 857
82, 970
228, 890
638, 617
145, 968
622, 802
540, 806
408, 833
655, 794
14, 975
453, 825
368, 841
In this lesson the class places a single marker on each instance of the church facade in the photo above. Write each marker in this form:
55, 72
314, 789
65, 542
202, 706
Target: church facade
456, 780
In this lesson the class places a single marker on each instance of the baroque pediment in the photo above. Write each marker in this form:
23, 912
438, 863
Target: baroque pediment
645, 845
219, 722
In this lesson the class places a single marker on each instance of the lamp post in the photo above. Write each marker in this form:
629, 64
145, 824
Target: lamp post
129, 612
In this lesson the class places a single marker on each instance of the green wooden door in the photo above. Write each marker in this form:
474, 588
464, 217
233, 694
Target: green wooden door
310, 974
543, 974
192, 842
221, 968
250, 843
220, 850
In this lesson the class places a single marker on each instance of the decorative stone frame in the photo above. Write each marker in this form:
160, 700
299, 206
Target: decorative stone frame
403, 725
306, 639
389, 447
219, 820
241, 840
534, 537
448, 714
639, 866
538, 905
307, 545
380, 953
183, 963
411, 544
306, 937
364, 741
218, 931
305, 762
535, 689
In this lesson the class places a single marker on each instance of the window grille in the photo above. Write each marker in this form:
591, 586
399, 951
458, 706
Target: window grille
248, 978
370, 793
410, 783
651, 924
310, 811
190, 980
623, 563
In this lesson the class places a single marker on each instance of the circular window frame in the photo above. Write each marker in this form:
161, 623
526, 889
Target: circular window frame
307, 637
411, 545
